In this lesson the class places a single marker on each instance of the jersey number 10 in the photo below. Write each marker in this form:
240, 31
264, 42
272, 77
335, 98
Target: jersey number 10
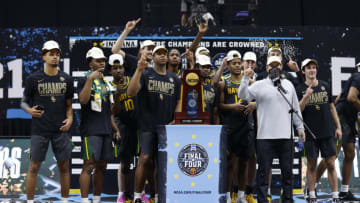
129, 105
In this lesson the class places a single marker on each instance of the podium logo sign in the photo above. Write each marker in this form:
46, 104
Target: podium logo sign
193, 160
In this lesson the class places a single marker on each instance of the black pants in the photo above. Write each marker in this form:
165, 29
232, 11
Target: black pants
266, 150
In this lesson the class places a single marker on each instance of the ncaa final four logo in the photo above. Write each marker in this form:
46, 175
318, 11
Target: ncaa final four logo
193, 160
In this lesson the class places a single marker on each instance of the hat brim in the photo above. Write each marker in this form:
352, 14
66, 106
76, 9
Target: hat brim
311, 61
98, 57
249, 59
157, 50
46, 49
273, 62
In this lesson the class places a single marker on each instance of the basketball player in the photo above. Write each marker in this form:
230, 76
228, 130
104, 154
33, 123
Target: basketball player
157, 106
48, 99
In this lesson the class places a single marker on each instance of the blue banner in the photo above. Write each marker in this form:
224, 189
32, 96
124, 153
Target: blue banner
192, 160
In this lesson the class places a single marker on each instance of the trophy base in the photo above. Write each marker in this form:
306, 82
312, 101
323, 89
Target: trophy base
182, 119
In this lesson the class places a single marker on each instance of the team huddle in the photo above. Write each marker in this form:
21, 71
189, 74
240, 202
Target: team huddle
261, 112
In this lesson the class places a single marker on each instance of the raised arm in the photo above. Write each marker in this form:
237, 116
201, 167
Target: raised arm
134, 85
189, 58
130, 25
243, 91
305, 98
202, 29
85, 92
217, 76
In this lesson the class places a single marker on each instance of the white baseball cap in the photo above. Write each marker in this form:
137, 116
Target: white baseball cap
249, 56
201, 51
273, 59
233, 54
114, 58
95, 53
147, 43
274, 49
204, 60
51, 44
157, 48
307, 61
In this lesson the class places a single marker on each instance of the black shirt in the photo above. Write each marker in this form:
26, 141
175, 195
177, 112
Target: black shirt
317, 113
51, 92
93, 122
234, 119
343, 106
127, 114
130, 64
210, 99
157, 99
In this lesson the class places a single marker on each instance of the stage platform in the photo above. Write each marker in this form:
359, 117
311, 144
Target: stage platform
56, 198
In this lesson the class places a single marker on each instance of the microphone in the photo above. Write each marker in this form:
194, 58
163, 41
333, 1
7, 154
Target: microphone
274, 75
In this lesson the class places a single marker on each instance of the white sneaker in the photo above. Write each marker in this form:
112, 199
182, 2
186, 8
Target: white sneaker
228, 200
241, 200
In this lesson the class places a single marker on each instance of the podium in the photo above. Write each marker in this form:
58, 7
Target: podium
192, 164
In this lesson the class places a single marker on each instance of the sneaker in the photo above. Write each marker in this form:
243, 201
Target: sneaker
269, 196
335, 200
121, 199
234, 197
229, 200
312, 200
152, 200
138, 201
306, 193
250, 198
241, 200
347, 196
144, 198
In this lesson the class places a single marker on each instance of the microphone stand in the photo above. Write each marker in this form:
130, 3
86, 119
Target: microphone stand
292, 111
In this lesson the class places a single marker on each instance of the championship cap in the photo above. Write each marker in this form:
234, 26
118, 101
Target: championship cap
249, 56
233, 54
95, 53
274, 49
116, 59
273, 59
204, 60
157, 48
307, 61
51, 44
147, 43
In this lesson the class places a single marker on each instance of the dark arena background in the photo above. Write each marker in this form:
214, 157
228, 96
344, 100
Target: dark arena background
327, 31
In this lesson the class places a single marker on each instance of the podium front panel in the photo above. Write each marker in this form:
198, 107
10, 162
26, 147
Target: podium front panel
192, 164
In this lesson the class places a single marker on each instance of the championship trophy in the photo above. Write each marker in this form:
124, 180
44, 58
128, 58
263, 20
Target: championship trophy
192, 107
